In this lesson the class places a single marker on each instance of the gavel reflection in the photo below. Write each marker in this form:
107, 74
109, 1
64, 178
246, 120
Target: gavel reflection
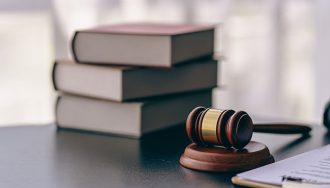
231, 129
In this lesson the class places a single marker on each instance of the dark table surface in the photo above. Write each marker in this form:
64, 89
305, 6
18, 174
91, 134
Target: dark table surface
44, 157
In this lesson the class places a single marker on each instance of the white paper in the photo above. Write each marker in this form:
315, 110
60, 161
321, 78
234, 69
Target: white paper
300, 185
313, 165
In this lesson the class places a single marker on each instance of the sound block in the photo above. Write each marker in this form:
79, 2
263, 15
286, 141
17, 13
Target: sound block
220, 159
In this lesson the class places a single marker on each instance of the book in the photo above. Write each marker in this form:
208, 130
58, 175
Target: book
143, 44
311, 167
119, 83
132, 119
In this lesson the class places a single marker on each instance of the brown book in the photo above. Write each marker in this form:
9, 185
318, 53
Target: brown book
129, 118
120, 83
143, 44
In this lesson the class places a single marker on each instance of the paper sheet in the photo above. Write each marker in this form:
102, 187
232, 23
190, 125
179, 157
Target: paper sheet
313, 165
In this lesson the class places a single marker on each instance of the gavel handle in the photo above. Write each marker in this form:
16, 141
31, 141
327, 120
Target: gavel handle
281, 128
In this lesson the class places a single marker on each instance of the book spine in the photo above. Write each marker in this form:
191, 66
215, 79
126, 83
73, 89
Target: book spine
73, 44
53, 76
57, 103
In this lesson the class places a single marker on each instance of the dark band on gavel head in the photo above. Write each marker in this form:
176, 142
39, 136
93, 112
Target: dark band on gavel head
226, 128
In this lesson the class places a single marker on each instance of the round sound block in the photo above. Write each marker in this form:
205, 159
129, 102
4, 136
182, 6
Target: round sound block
219, 159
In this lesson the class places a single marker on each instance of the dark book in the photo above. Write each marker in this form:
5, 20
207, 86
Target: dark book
129, 118
120, 83
143, 44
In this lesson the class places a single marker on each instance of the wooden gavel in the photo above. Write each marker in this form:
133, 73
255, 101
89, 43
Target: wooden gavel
230, 129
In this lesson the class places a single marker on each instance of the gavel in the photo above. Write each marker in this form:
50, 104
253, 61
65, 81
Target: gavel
231, 129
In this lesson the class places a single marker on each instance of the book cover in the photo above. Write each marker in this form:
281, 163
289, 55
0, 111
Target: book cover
120, 83
143, 44
133, 119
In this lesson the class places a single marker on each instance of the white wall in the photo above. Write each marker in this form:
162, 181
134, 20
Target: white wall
322, 56
276, 58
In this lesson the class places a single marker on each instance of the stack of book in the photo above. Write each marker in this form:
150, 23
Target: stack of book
133, 79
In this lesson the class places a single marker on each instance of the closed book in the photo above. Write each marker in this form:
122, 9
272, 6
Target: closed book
143, 44
132, 119
120, 83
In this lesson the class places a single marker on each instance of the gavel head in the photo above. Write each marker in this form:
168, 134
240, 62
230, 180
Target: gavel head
213, 127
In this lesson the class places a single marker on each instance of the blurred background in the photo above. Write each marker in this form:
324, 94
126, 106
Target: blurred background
275, 58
